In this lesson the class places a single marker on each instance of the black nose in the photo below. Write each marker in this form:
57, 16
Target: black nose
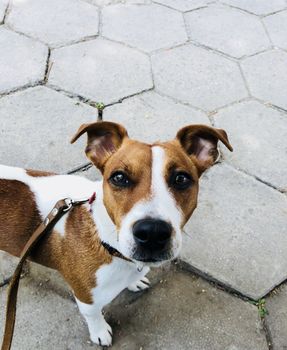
152, 234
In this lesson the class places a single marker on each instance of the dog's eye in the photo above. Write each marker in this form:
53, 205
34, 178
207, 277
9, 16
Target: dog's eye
180, 181
120, 179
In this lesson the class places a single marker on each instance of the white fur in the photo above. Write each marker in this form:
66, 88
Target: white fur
111, 279
100, 331
161, 205
139, 285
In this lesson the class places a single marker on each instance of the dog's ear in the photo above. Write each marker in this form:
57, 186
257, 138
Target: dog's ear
104, 138
200, 143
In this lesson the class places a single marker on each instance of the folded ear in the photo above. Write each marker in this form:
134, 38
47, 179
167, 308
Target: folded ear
104, 138
200, 143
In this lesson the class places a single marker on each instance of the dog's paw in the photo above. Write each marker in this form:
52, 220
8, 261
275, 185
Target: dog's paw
139, 285
102, 334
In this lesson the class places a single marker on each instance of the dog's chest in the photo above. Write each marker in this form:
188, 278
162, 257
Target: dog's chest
112, 278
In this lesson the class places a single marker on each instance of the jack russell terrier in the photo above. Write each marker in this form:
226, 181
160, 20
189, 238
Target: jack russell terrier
147, 194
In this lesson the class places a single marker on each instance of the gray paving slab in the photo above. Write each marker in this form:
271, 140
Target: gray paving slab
55, 22
277, 28
258, 7
22, 61
184, 5
198, 76
229, 30
125, 23
3, 6
150, 117
178, 312
258, 134
45, 320
277, 318
100, 70
238, 233
265, 74
36, 127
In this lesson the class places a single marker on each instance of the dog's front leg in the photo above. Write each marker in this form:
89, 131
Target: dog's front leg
111, 280
100, 330
141, 282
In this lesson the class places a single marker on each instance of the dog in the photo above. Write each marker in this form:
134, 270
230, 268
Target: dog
147, 194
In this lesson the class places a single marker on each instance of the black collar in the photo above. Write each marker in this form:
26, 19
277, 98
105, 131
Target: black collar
114, 252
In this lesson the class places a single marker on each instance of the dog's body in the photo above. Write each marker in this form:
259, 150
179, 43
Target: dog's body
147, 194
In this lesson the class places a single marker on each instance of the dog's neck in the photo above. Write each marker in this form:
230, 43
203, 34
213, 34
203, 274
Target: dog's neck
105, 227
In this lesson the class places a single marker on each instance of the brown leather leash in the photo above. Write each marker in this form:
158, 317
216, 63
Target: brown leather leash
60, 209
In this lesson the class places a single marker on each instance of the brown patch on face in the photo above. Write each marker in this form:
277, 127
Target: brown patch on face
37, 173
134, 159
176, 160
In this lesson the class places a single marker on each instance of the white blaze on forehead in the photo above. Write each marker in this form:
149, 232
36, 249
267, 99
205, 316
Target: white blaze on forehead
163, 200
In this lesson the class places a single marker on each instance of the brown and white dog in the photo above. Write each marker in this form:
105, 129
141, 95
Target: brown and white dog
147, 194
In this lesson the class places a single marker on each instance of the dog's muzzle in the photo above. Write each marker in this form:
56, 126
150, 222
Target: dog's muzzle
152, 238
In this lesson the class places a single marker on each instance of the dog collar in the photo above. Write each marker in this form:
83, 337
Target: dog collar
114, 252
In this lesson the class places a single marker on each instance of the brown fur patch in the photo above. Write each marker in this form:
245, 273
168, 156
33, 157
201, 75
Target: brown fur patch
77, 255
19, 216
85, 257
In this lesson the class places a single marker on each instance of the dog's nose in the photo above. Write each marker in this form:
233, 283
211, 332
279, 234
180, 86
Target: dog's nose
152, 233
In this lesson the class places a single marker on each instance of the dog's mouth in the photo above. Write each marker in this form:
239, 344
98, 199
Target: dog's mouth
152, 258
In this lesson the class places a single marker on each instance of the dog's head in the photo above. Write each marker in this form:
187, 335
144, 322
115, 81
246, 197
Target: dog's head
150, 190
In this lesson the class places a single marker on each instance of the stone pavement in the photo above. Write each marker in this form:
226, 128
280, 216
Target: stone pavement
158, 65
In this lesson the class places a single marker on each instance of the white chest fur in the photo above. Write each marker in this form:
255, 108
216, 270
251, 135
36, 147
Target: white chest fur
111, 279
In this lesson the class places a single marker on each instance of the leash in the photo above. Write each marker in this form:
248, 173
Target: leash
59, 210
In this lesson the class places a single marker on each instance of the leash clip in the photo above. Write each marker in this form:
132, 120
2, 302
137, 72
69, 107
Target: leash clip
69, 203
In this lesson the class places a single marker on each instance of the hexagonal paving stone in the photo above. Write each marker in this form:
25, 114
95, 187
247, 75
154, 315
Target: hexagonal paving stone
36, 127
266, 76
258, 7
150, 117
197, 76
277, 28
184, 5
22, 61
3, 6
277, 317
238, 228
229, 30
58, 21
136, 25
100, 70
258, 135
